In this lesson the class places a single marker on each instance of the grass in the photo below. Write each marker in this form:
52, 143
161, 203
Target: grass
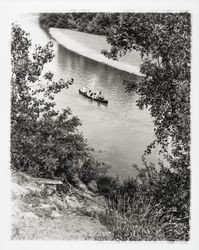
141, 220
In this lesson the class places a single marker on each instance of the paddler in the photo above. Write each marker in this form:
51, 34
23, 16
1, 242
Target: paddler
84, 89
100, 95
95, 96
90, 93
71, 81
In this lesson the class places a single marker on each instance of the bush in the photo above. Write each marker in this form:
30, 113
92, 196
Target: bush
107, 185
92, 170
148, 223
154, 206
44, 142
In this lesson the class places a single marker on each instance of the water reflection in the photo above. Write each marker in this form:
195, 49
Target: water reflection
119, 132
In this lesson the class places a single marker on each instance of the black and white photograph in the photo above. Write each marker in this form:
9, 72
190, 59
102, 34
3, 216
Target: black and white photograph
100, 125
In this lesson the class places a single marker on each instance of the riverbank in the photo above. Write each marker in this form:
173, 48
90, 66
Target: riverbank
42, 211
78, 42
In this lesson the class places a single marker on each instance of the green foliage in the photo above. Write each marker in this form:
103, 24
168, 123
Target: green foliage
153, 206
44, 142
95, 23
169, 189
148, 223
163, 40
92, 170
107, 185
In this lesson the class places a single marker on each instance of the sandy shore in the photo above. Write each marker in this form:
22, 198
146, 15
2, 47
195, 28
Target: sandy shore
69, 41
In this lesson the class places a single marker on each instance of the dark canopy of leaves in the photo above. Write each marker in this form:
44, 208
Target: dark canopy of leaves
163, 40
95, 23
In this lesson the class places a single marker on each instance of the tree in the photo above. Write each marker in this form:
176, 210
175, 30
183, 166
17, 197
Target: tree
163, 40
164, 44
96, 23
44, 142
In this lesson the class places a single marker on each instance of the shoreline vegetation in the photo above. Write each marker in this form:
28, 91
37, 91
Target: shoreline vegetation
46, 144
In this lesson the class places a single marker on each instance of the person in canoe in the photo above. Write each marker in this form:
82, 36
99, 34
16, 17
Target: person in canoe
71, 81
100, 96
90, 93
94, 95
84, 90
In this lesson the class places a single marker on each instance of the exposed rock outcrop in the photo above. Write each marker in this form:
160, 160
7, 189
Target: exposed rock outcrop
92, 186
40, 211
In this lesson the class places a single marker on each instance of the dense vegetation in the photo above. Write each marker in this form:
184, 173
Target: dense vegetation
155, 204
164, 44
44, 142
95, 23
163, 41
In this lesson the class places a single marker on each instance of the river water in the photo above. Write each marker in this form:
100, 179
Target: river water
119, 132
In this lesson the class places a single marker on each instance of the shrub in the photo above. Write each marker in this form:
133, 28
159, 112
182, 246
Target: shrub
107, 185
44, 142
92, 170
154, 206
148, 224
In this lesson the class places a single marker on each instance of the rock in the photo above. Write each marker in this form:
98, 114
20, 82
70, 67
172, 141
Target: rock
101, 200
21, 177
35, 201
92, 186
50, 191
75, 180
55, 214
52, 187
47, 181
18, 190
30, 215
42, 187
72, 202
83, 187
94, 210
78, 183
60, 204
55, 181
45, 210
47, 189
34, 190
47, 206
96, 205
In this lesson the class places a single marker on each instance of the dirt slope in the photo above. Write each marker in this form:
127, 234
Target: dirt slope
40, 212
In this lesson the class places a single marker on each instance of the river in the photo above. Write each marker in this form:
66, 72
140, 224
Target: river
119, 132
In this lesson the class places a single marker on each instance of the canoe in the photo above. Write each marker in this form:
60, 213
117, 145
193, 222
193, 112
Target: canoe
95, 99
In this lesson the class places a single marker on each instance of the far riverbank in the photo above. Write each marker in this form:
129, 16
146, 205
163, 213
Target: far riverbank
78, 42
